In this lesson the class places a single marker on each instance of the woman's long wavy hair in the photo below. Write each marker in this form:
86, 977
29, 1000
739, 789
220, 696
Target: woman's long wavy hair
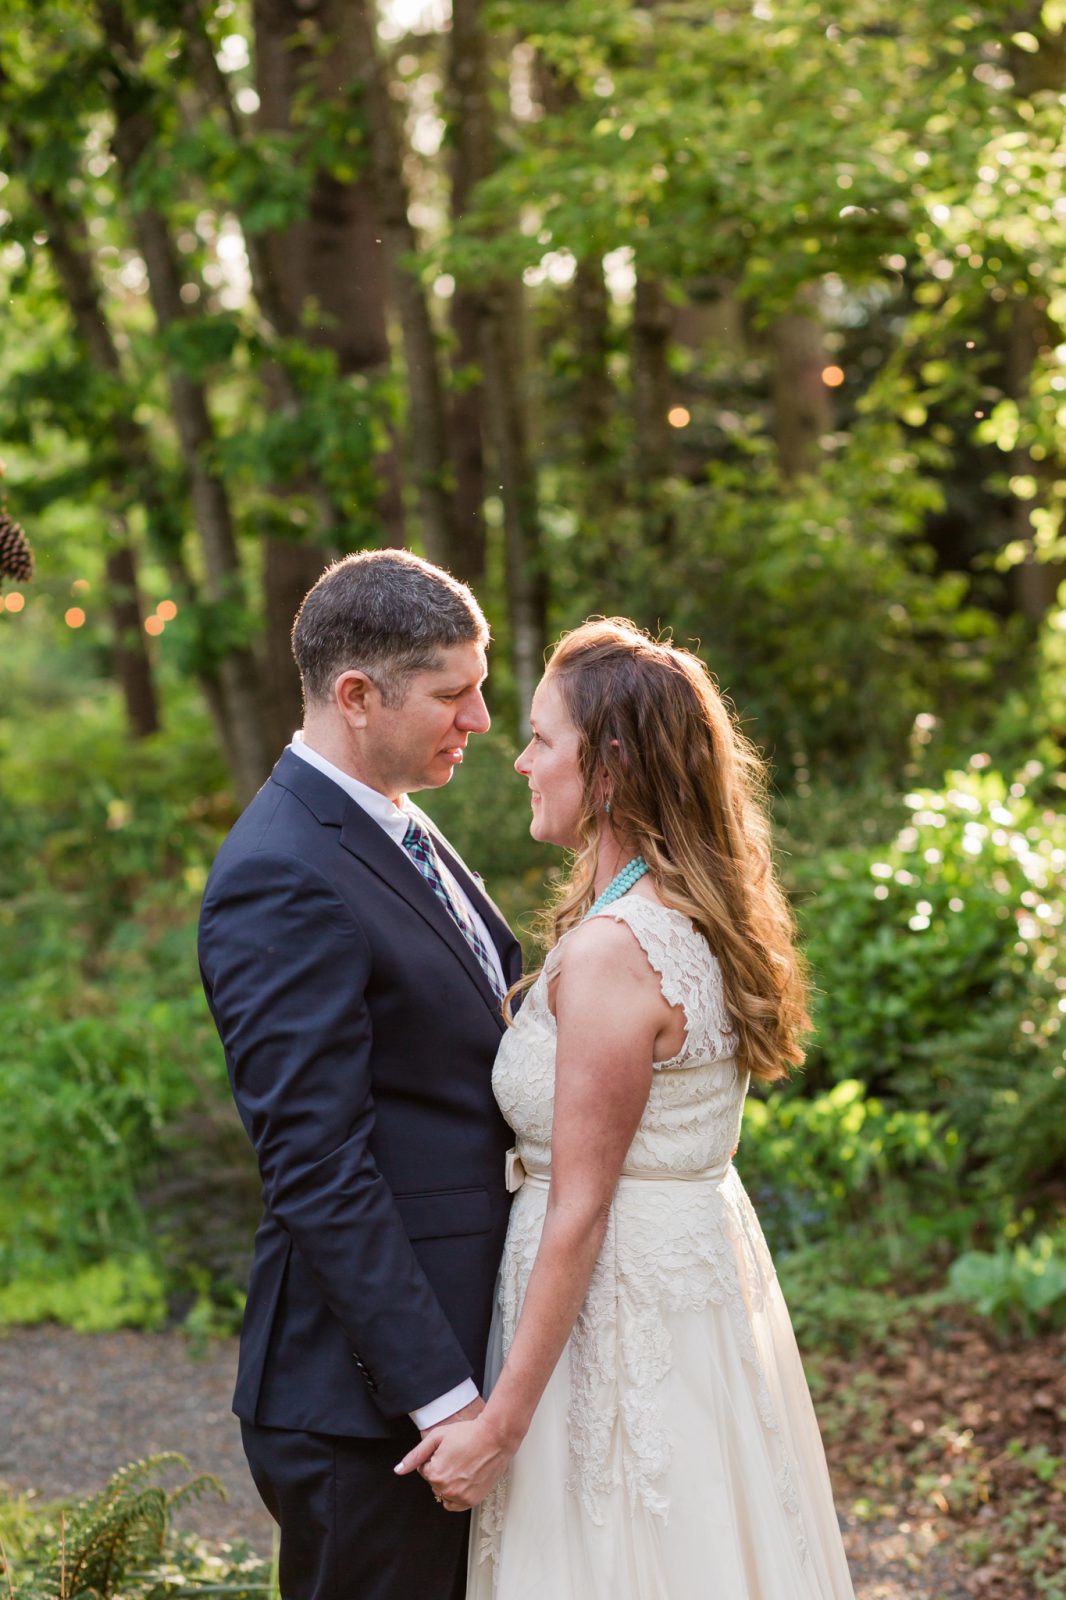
687, 791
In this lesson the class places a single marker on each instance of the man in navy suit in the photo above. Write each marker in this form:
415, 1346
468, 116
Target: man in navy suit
355, 970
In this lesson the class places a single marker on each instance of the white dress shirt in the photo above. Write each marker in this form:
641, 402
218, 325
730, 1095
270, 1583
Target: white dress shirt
393, 820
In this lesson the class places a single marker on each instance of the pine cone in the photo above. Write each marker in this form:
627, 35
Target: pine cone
16, 557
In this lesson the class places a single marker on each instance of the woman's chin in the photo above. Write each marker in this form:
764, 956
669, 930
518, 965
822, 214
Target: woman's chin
538, 832
545, 836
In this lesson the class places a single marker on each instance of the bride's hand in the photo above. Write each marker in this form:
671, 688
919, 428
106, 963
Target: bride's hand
461, 1462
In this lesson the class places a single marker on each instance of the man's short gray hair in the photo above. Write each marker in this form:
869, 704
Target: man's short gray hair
383, 612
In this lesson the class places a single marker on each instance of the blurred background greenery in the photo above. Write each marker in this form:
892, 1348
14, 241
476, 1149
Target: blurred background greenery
747, 321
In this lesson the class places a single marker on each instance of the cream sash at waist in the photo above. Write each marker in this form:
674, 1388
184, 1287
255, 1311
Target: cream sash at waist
517, 1173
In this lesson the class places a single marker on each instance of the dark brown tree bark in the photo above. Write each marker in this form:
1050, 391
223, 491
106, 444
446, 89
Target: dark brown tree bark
802, 410
73, 266
71, 254
498, 308
466, 427
652, 322
1036, 582
470, 134
71, 257
601, 477
250, 749
309, 264
333, 260
428, 425
504, 365
129, 651
596, 392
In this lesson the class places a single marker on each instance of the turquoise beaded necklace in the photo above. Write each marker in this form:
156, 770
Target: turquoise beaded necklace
619, 885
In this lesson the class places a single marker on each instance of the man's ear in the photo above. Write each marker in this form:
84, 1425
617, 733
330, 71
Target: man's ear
352, 691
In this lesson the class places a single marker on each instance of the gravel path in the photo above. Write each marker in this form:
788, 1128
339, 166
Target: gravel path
74, 1407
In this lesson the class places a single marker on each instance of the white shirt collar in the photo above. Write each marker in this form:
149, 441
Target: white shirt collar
374, 803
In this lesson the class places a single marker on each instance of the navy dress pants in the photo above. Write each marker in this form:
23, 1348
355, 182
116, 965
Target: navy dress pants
350, 1528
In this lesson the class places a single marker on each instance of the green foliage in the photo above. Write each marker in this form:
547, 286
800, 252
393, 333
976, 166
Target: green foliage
1021, 1290
939, 958
104, 1039
822, 1164
118, 1543
818, 607
843, 1299
116, 1293
859, 1201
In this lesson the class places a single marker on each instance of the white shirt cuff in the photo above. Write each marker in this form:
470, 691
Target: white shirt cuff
446, 1405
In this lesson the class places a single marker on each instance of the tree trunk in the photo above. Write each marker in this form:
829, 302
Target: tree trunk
72, 257
497, 307
130, 652
1036, 583
250, 750
503, 362
466, 100
652, 321
802, 410
289, 270
466, 425
595, 392
427, 421
601, 478
71, 254
334, 256
286, 579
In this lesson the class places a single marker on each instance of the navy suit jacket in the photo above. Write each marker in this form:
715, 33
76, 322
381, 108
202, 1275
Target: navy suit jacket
360, 1033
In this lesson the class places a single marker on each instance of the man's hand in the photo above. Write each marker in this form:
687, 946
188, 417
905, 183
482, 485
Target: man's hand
472, 1409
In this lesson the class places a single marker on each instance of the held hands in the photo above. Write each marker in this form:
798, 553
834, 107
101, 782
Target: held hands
460, 1460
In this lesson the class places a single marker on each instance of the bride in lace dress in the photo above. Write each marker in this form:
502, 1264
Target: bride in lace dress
649, 1433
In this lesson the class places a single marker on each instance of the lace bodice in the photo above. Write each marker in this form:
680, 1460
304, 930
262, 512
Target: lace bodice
692, 1119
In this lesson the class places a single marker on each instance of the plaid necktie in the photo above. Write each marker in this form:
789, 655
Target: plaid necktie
419, 846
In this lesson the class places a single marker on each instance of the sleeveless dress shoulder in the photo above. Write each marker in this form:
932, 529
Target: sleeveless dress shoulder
675, 1453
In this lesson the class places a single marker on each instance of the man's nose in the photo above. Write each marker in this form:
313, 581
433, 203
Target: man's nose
474, 715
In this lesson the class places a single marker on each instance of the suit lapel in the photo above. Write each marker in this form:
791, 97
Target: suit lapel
363, 838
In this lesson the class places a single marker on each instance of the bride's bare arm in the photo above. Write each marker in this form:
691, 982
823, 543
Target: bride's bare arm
611, 1016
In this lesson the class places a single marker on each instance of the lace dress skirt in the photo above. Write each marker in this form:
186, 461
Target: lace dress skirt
675, 1454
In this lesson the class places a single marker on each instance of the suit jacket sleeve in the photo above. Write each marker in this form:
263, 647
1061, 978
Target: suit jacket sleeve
285, 968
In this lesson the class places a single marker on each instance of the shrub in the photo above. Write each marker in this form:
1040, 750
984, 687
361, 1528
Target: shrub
104, 1036
1021, 1289
818, 1166
116, 1293
940, 961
